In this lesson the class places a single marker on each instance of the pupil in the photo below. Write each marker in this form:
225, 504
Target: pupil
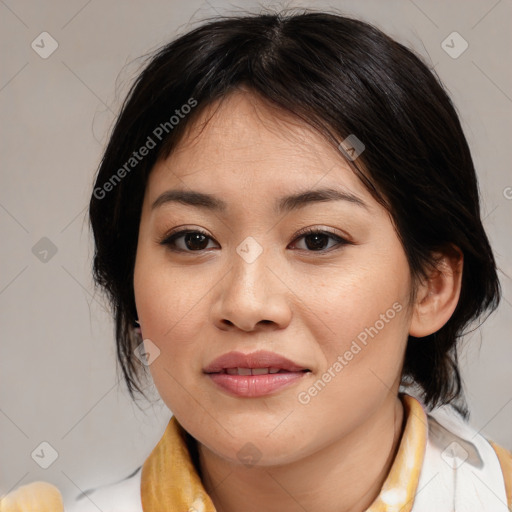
195, 241
317, 244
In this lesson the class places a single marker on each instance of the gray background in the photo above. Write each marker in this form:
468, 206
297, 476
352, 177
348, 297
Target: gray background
58, 381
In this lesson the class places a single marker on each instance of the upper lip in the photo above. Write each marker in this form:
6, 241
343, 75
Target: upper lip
260, 359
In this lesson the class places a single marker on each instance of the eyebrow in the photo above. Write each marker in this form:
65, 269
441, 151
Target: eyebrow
282, 205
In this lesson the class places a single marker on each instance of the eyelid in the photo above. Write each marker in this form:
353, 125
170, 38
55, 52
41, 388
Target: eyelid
340, 239
180, 231
323, 230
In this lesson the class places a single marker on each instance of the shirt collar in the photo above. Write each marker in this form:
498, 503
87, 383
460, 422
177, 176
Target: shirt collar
170, 480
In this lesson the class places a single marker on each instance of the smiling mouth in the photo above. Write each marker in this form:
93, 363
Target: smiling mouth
255, 382
261, 362
255, 374
255, 371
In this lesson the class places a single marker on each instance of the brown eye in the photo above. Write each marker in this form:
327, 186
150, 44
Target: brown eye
196, 241
316, 240
192, 241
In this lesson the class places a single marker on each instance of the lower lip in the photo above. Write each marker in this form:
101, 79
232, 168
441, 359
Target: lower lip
255, 385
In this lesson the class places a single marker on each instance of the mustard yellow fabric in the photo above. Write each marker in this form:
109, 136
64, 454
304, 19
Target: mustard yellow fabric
170, 481
505, 458
401, 483
34, 497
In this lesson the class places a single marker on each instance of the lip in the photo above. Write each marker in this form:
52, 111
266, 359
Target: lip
259, 359
254, 385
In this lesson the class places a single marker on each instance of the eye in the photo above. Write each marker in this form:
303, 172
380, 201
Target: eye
193, 241
197, 240
316, 239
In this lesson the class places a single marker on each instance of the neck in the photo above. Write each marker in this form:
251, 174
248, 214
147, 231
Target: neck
345, 476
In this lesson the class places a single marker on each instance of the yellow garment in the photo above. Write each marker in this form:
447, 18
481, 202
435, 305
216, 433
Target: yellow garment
182, 489
505, 458
169, 480
34, 497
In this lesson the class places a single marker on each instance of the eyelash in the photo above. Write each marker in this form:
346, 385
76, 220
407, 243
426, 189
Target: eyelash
170, 239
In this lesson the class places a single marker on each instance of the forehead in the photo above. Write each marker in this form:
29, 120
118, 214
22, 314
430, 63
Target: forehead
244, 144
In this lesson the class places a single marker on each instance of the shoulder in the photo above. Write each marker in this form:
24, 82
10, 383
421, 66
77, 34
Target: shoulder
121, 496
461, 469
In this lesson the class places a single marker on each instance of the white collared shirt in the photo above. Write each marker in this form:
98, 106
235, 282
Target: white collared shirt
460, 473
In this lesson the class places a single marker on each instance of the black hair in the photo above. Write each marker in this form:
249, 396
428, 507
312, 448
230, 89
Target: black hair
343, 77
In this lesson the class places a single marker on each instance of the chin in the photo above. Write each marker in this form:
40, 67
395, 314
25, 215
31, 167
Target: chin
251, 447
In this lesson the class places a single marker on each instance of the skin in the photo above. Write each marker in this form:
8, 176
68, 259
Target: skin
333, 453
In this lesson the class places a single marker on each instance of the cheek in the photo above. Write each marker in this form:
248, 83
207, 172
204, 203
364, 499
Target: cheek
362, 365
359, 296
361, 325
366, 350
170, 310
169, 319
164, 294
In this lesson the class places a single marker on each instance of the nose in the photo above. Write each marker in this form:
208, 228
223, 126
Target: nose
252, 296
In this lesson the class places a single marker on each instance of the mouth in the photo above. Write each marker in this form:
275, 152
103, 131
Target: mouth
255, 374
255, 363
254, 371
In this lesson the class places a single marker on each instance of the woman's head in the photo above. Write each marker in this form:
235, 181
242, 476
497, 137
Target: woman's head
252, 109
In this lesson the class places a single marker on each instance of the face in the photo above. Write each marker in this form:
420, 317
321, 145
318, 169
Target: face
238, 274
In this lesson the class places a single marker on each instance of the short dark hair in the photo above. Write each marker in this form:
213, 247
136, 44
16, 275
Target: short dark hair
342, 76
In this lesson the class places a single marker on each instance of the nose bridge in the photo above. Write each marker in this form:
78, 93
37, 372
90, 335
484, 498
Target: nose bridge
250, 263
252, 293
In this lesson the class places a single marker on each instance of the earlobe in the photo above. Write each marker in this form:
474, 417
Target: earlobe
438, 295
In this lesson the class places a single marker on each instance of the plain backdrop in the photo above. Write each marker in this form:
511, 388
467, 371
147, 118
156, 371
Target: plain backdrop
58, 380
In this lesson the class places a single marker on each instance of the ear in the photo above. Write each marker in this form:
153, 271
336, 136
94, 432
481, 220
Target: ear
438, 295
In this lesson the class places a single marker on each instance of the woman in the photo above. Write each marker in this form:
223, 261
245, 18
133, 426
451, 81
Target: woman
286, 219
